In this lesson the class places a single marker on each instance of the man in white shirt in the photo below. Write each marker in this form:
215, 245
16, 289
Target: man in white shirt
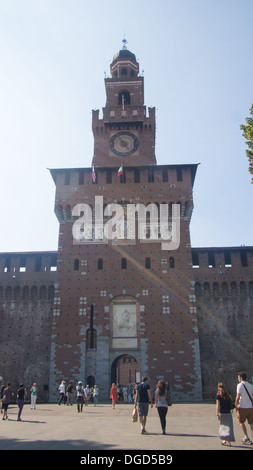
244, 405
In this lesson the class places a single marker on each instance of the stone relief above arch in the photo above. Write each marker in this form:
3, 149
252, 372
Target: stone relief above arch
124, 314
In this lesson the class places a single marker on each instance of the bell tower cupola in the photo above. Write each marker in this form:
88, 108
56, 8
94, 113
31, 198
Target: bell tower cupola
126, 133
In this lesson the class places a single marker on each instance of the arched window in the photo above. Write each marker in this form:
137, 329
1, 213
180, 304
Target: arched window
51, 292
207, 290
124, 98
17, 293
197, 289
224, 289
147, 263
43, 293
34, 293
171, 262
25, 293
8, 293
234, 291
216, 289
91, 338
123, 72
243, 291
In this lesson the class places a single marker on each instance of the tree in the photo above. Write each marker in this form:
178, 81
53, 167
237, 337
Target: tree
248, 135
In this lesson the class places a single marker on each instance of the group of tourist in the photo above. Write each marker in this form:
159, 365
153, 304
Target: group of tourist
7, 395
83, 395
243, 405
224, 406
141, 396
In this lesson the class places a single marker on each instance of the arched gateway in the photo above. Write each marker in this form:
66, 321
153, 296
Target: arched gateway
125, 370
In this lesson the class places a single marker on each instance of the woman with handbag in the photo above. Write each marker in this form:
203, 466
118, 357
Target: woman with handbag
224, 406
161, 403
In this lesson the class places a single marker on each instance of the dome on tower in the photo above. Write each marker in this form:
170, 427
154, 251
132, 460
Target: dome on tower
124, 54
124, 63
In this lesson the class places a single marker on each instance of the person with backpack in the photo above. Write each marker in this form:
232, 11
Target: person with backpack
244, 406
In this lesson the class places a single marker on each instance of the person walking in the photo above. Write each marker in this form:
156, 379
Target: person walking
34, 394
95, 395
113, 394
161, 403
1, 395
142, 398
7, 396
62, 392
79, 396
244, 406
224, 406
69, 391
21, 394
87, 393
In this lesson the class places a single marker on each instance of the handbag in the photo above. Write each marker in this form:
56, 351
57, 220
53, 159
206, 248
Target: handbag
232, 405
134, 415
224, 432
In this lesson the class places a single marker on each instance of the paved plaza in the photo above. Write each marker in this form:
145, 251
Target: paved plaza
60, 427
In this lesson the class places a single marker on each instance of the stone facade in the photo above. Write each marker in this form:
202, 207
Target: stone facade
174, 312
224, 301
26, 306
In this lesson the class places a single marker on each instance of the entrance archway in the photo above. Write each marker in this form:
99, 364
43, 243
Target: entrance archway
125, 370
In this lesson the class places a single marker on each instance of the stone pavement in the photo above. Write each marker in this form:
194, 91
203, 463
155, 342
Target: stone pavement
54, 427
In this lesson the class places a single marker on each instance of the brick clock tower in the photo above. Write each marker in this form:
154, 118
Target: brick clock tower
124, 305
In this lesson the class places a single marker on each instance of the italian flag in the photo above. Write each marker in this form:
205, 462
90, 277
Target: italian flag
120, 171
93, 175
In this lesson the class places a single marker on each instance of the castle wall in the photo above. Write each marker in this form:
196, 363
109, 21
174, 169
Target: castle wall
224, 301
224, 306
26, 304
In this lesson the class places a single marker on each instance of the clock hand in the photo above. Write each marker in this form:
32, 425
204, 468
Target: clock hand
124, 143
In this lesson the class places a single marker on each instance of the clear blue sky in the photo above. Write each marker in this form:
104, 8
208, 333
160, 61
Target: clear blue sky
198, 69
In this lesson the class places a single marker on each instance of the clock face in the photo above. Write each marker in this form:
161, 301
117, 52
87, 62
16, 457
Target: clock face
124, 143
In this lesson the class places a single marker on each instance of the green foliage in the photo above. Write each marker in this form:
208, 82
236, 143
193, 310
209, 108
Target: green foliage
248, 135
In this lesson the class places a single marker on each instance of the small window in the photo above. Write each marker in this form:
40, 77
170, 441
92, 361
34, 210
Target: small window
179, 174
165, 176
195, 259
227, 256
38, 264
67, 178
100, 264
109, 177
136, 176
76, 265
244, 259
123, 177
124, 98
123, 263
81, 177
171, 262
147, 263
211, 259
151, 175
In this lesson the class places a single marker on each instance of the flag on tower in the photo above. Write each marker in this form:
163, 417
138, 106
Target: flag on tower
120, 171
93, 175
